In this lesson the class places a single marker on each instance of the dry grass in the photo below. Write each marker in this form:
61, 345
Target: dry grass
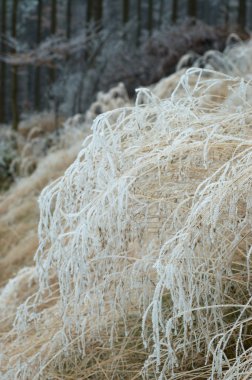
235, 60
19, 213
144, 260
44, 122
143, 264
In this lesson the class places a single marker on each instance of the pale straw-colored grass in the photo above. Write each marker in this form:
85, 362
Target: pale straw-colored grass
144, 250
19, 213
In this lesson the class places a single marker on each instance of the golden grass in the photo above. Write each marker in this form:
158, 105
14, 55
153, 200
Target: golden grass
143, 265
19, 213
144, 260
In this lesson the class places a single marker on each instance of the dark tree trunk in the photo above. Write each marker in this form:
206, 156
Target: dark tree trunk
126, 7
94, 10
242, 13
68, 18
174, 11
226, 12
53, 16
53, 32
139, 20
192, 8
150, 16
2, 66
89, 11
161, 11
37, 70
14, 96
97, 10
52, 72
39, 21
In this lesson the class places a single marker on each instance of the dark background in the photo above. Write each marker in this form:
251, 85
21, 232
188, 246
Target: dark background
56, 54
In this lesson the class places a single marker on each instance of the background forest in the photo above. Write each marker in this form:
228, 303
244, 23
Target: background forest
56, 54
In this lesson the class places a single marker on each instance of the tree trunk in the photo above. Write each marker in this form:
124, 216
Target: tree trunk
68, 18
53, 32
126, 6
192, 8
174, 11
242, 13
14, 96
89, 11
53, 16
37, 70
94, 10
97, 10
150, 16
139, 20
2, 66
161, 11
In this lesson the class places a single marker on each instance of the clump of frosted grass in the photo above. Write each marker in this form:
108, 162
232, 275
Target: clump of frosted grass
151, 223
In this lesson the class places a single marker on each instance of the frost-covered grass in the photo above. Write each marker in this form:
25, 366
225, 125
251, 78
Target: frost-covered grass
47, 152
235, 60
19, 212
145, 242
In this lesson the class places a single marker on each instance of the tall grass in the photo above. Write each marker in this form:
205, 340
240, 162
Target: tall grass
144, 250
